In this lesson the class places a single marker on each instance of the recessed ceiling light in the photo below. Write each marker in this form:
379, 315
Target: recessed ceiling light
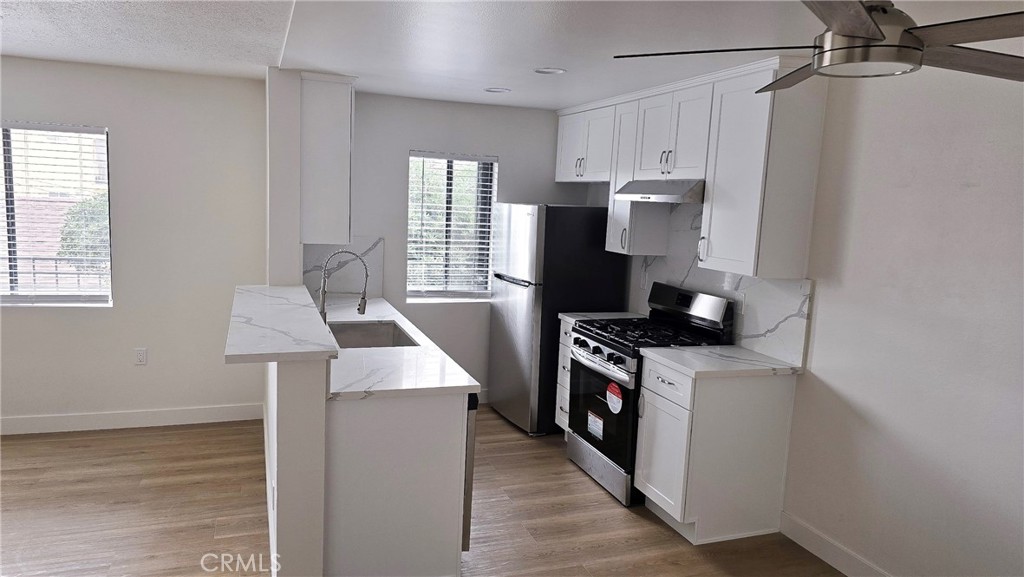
497, 90
549, 70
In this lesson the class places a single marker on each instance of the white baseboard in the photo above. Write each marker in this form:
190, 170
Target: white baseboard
828, 549
482, 395
17, 425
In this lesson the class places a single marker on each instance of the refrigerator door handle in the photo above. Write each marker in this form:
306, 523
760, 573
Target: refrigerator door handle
514, 280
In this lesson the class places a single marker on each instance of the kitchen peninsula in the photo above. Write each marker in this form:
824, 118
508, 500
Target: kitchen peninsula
350, 408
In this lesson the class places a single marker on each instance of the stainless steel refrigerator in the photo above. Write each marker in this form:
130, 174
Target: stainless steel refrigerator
546, 259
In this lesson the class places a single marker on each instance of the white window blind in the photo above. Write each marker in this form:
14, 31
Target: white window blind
57, 215
450, 198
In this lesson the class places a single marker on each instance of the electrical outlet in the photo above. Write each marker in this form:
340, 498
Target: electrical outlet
140, 356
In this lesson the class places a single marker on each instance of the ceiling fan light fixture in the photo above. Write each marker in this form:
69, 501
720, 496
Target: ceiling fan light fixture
868, 61
851, 57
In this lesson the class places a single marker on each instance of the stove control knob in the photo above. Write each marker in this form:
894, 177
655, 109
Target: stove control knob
583, 344
576, 340
596, 350
615, 359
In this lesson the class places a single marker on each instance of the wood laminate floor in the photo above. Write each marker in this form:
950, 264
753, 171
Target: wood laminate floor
536, 514
153, 501
146, 501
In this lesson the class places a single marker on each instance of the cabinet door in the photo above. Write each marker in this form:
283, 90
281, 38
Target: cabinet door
652, 140
562, 407
325, 145
691, 120
597, 145
570, 147
733, 192
662, 443
623, 151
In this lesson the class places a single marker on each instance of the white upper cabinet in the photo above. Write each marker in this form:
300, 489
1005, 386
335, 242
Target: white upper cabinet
571, 132
653, 137
585, 146
762, 166
672, 134
691, 120
633, 228
325, 163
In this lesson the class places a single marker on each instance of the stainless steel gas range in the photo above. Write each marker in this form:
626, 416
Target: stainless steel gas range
604, 381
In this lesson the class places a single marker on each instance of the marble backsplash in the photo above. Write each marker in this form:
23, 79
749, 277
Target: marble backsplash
345, 274
772, 315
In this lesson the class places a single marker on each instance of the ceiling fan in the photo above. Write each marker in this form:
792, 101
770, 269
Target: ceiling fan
868, 39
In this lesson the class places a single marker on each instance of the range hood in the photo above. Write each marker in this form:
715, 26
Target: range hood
670, 191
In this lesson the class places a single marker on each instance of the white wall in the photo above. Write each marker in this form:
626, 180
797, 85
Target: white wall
906, 445
188, 222
386, 129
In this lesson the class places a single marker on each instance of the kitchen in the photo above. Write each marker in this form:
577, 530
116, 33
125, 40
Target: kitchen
879, 279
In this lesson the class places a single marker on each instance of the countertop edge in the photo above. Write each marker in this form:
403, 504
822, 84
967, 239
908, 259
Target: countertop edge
271, 323
659, 354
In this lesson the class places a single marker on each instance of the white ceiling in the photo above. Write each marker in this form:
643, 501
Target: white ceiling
438, 50
208, 37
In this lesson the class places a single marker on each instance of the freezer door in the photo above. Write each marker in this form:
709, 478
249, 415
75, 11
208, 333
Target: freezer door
514, 364
518, 241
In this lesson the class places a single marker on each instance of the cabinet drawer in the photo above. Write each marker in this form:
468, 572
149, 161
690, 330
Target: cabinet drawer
668, 383
565, 333
562, 407
563, 366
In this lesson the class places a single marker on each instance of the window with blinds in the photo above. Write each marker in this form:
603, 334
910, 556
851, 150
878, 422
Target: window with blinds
57, 214
450, 198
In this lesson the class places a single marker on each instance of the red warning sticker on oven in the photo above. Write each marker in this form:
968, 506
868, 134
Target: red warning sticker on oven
595, 426
614, 397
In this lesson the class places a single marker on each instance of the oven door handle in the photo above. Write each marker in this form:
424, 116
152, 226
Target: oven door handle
618, 375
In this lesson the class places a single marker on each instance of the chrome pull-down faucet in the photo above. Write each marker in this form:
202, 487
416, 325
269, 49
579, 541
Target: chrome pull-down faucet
361, 309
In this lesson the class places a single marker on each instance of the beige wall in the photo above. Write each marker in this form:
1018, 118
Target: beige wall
386, 129
188, 204
906, 445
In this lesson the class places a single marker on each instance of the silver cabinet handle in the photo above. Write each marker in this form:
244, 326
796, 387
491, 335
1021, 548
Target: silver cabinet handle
668, 162
622, 239
583, 166
578, 166
566, 333
665, 382
565, 368
640, 406
561, 408
700, 243
661, 161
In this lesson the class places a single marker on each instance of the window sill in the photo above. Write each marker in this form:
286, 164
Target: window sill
65, 305
446, 300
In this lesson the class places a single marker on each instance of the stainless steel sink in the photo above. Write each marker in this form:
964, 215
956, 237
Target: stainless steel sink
363, 335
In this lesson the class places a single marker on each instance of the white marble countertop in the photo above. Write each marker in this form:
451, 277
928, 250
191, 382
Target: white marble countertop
361, 373
276, 323
573, 317
728, 361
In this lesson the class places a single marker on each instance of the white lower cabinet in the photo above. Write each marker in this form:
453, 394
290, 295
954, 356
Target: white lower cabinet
562, 394
562, 407
711, 451
662, 440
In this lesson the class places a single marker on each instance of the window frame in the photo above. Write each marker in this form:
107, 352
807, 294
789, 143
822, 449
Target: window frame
10, 218
485, 233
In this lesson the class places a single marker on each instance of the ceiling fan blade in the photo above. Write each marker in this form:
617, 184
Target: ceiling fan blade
976, 61
792, 79
971, 30
846, 17
715, 51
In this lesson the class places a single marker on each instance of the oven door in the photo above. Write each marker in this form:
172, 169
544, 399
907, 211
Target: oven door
603, 410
